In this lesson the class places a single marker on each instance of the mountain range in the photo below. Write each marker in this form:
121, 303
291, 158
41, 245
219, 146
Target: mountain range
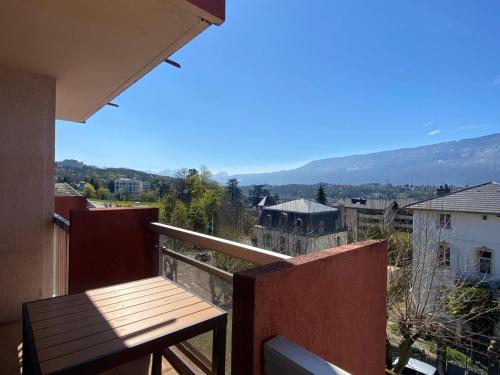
467, 161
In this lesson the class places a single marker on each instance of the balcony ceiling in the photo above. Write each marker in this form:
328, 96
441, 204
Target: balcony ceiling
97, 48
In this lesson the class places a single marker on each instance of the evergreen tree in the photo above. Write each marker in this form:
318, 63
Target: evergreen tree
320, 195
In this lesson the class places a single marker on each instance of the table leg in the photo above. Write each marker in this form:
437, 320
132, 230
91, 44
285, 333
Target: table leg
156, 366
219, 350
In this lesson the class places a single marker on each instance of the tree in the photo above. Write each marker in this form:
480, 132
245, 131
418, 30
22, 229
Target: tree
88, 191
103, 193
419, 291
321, 196
256, 194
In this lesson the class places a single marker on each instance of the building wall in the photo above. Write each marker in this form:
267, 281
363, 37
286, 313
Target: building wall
333, 303
110, 246
63, 205
467, 234
27, 122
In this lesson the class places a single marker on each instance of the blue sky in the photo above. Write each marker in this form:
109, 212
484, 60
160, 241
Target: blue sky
284, 82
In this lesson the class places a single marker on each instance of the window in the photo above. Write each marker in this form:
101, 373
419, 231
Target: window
485, 257
321, 226
339, 242
445, 221
268, 220
267, 240
298, 247
282, 221
282, 243
444, 254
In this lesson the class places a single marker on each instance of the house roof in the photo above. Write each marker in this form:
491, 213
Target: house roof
265, 201
303, 206
484, 198
63, 189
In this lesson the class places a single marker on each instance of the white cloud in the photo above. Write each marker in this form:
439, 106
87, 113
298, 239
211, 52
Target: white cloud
428, 124
496, 81
434, 132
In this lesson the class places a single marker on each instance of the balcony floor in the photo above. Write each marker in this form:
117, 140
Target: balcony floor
10, 355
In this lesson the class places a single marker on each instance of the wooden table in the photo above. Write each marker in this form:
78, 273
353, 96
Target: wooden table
103, 328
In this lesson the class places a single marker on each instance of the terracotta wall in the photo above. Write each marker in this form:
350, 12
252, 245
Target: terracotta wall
333, 303
27, 125
64, 204
110, 246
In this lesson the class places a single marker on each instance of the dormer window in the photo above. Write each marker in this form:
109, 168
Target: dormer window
445, 221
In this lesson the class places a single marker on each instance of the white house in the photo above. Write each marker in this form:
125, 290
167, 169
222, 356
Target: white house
462, 230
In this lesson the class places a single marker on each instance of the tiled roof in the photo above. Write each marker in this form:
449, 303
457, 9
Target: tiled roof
484, 198
302, 205
63, 189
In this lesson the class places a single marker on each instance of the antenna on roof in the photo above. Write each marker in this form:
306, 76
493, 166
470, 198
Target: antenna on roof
173, 63
113, 105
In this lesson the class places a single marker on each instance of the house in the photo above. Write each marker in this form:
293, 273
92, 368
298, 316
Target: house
67, 198
131, 186
299, 227
462, 228
361, 215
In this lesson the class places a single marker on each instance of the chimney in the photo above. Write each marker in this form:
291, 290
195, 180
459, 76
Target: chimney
442, 190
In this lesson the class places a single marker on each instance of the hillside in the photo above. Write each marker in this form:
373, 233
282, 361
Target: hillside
73, 172
467, 161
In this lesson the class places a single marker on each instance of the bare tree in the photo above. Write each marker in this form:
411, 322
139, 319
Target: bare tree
423, 287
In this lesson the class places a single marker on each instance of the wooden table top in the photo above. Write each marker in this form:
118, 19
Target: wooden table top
72, 330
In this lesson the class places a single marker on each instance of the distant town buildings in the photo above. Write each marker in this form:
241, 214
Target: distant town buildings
298, 227
360, 215
131, 186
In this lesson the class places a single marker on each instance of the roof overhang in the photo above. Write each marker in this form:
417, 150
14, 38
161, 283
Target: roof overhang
96, 49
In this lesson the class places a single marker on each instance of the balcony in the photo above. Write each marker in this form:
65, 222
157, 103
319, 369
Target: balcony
331, 303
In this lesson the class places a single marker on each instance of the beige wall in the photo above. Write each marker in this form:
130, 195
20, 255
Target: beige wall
27, 110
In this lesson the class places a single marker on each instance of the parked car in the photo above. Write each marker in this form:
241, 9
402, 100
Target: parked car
416, 367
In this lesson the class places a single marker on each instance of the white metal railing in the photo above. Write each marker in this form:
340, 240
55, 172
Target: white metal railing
61, 255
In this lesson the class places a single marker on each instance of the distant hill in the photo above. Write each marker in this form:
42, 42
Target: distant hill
468, 161
73, 171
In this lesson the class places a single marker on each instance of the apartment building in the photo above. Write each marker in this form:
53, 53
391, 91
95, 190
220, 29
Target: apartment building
299, 227
361, 215
131, 186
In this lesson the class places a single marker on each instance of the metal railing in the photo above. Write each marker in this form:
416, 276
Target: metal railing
205, 264
61, 255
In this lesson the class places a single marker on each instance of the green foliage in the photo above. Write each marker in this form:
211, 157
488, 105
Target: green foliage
103, 193
105, 177
476, 305
88, 191
256, 194
320, 195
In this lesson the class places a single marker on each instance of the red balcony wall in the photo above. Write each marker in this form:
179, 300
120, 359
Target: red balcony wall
63, 205
333, 303
214, 7
109, 246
